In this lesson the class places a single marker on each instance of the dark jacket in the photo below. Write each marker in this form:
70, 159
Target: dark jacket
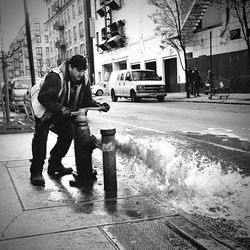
49, 92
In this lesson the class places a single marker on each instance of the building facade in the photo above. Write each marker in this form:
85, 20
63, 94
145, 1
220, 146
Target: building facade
66, 25
19, 61
125, 38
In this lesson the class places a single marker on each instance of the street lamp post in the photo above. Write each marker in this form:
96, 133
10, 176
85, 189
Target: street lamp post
210, 67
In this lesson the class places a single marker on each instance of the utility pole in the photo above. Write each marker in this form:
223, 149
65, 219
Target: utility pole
29, 43
89, 40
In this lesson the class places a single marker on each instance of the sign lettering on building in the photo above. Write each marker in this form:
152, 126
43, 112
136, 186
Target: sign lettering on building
108, 20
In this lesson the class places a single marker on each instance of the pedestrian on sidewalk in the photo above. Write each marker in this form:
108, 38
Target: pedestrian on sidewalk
210, 81
189, 82
196, 81
64, 89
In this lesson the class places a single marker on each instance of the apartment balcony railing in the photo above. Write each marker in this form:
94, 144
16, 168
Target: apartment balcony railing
58, 26
56, 7
60, 44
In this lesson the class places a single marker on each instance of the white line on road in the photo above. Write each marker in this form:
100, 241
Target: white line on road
130, 125
162, 132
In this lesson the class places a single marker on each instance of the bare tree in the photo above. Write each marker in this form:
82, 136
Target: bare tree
169, 19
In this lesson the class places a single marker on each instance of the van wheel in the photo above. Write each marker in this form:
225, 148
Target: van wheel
160, 98
133, 97
113, 96
99, 92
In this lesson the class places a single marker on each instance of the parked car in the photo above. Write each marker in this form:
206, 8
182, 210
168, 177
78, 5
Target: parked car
19, 87
136, 84
99, 89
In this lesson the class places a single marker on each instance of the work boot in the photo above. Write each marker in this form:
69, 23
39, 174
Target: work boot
59, 169
37, 179
86, 176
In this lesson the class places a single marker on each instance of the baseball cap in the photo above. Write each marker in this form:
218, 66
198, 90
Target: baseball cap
78, 61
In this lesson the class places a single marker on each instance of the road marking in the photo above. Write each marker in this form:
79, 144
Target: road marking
225, 130
166, 133
130, 125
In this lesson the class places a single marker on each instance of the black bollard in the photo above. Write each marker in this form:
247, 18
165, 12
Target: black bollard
109, 159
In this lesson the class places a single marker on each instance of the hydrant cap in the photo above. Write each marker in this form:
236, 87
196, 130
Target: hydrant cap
108, 132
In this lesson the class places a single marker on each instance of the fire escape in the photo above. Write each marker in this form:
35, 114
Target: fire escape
60, 43
194, 11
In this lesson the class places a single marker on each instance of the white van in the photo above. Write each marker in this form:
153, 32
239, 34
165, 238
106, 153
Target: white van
136, 84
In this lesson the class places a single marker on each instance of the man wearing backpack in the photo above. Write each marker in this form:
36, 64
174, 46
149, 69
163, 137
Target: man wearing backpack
63, 90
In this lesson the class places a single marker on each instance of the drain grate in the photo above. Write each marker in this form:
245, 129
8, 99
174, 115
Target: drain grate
151, 234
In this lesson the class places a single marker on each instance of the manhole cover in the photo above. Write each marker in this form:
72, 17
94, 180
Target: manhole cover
151, 234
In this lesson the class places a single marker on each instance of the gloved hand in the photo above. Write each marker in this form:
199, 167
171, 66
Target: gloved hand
66, 111
105, 107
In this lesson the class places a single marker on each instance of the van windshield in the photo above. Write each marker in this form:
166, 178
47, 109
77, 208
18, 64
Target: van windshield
144, 75
22, 83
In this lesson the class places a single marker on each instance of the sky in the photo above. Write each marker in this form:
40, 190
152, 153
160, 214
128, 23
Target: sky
13, 18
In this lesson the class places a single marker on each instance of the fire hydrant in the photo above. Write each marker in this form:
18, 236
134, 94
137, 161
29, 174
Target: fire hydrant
84, 144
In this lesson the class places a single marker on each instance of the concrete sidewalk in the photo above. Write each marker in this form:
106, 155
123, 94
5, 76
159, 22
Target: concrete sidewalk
233, 98
59, 216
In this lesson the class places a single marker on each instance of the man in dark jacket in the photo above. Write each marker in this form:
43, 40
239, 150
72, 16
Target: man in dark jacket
60, 96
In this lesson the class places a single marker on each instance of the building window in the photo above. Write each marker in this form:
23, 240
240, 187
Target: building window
36, 26
38, 38
39, 50
68, 14
50, 33
189, 55
46, 38
45, 26
48, 13
73, 11
65, 17
47, 50
81, 32
79, 7
82, 49
74, 33
76, 51
51, 47
69, 33
48, 63
39, 63
234, 34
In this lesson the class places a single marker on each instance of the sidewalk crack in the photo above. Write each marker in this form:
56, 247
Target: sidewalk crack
11, 222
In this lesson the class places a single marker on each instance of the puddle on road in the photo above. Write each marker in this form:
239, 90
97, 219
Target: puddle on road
186, 178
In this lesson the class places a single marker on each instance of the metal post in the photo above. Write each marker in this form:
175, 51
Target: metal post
109, 159
6, 84
89, 40
29, 43
210, 67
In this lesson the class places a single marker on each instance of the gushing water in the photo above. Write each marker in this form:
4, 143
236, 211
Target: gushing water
185, 178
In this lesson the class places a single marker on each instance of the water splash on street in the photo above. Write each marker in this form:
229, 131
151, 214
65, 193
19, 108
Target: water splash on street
186, 178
